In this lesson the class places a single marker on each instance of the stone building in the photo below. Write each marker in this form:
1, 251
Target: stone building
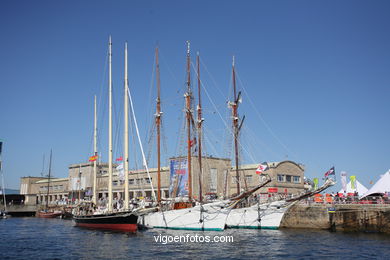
287, 179
218, 180
35, 189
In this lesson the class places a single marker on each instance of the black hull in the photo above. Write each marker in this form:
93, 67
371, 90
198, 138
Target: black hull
123, 221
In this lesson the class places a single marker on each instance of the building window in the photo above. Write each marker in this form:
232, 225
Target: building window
131, 181
288, 178
115, 183
248, 178
297, 179
147, 180
234, 179
281, 178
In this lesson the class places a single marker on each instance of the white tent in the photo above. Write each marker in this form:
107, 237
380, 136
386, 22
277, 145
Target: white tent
381, 186
359, 188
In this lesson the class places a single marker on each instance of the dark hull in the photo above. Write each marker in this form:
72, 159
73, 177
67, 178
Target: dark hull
122, 221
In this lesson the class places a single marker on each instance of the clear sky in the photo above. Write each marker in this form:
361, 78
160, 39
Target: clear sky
315, 77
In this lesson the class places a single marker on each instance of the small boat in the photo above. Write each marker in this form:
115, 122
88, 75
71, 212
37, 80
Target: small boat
46, 212
49, 214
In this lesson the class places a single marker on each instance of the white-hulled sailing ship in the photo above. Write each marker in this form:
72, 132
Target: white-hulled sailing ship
179, 214
260, 215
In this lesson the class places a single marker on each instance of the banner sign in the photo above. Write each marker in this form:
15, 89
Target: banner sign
315, 182
353, 182
178, 177
272, 190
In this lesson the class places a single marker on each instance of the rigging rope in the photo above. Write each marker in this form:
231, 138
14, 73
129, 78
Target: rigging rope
140, 142
224, 122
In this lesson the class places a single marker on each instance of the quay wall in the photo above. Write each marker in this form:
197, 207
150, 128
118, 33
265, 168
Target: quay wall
346, 217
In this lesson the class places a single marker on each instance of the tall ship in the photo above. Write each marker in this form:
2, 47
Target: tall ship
86, 214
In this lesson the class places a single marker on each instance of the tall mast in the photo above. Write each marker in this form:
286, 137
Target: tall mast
200, 120
94, 197
187, 96
48, 182
158, 122
126, 135
2, 177
234, 105
109, 125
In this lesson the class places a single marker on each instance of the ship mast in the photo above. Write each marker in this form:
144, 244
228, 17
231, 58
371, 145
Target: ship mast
94, 198
234, 106
2, 178
200, 120
126, 134
187, 96
110, 125
158, 123
48, 183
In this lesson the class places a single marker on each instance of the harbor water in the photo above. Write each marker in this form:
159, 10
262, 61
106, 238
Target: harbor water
36, 238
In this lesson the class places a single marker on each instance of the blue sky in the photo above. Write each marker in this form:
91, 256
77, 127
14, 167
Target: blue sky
315, 77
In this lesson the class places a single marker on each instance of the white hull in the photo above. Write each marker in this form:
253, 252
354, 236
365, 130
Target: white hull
210, 216
263, 216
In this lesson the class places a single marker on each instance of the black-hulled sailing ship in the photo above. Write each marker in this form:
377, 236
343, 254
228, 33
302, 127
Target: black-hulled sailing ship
122, 220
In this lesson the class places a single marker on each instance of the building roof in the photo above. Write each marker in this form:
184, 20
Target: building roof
53, 180
269, 164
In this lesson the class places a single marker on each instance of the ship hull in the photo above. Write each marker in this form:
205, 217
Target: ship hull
208, 217
264, 216
116, 221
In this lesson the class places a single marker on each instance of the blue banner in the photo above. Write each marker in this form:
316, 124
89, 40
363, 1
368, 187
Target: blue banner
178, 177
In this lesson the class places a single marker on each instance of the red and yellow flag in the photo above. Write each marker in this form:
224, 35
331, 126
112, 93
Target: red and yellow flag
93, 158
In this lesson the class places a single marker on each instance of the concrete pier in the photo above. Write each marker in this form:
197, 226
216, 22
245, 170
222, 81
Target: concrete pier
21, 210
339, 217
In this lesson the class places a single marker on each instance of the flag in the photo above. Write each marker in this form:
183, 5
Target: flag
121, 173
119, 159
353, 182
330, 172
261, 168
315, 181
191, 142
93, 158
344, 180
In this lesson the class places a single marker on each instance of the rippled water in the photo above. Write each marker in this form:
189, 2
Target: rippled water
35, 238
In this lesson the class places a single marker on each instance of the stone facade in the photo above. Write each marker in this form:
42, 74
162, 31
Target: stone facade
218, 180
287, 178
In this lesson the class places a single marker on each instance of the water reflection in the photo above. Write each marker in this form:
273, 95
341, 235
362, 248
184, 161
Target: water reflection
59, 239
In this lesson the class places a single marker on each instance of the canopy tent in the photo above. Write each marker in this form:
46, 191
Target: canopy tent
359, 188
381, 186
